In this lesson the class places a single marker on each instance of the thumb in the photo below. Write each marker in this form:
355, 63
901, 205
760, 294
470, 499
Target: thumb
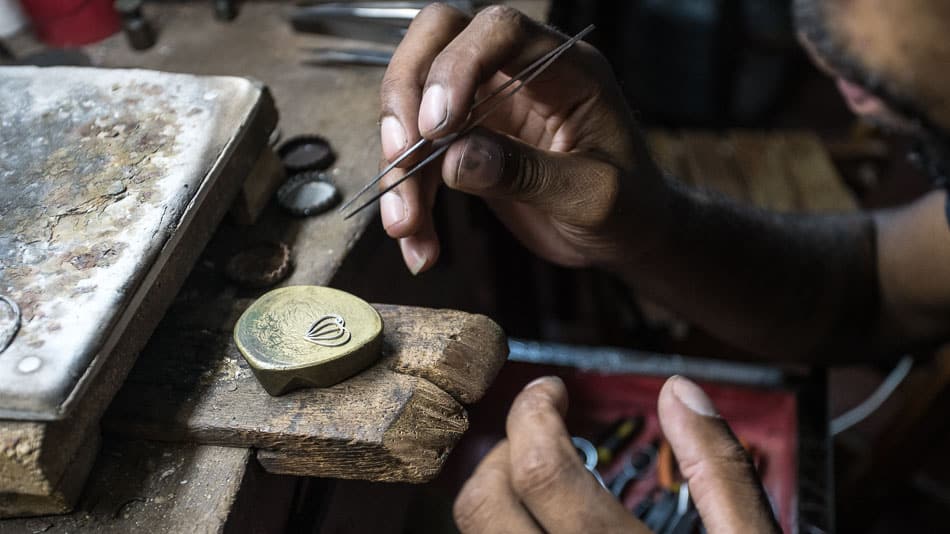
722, 480
573, 187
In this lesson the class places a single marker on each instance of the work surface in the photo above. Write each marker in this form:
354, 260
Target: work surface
342, 105
212, 398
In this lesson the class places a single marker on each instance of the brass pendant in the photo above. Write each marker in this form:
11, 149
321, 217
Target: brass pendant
307, 336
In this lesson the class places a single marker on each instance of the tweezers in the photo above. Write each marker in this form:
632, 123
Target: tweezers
524, 77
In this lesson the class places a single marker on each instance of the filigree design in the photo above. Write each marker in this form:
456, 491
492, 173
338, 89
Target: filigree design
328, 331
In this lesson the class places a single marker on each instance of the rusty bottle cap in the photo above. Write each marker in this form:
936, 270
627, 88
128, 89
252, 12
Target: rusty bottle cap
260, 265
308, 336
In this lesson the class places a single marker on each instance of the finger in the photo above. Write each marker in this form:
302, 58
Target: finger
574, 188
406, 213
498, 38
421, 250
546, 472
401, 91
722, 480
407, 208
403, 209
487, 503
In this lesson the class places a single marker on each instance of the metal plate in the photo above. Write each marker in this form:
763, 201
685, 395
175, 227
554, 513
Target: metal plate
99, 172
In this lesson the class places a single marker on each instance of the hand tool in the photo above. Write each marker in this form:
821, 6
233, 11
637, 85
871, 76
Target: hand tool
684, 518
588, 454
661, 512
617, 436
384, 22
10, 332
139, 33
521, 79
347, 56
634, 469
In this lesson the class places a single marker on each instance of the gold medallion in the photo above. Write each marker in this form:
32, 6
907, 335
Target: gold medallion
307, 336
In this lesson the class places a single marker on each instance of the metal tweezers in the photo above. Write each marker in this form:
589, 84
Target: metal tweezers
441, 145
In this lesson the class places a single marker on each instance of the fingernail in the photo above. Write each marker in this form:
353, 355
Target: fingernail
693, 397
480, 165
434, 109
544, 380
393, 209
392, 135
416, 261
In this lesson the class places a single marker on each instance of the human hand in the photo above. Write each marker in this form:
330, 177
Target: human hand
534, 481
553, 162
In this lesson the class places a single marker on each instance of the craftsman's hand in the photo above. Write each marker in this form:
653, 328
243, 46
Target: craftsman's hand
534, 481
553, 162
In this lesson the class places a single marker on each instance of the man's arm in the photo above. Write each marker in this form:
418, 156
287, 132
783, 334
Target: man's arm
913, 263
815, 288
564, 167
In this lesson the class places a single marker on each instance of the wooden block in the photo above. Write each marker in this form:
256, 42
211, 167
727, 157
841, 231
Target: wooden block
264, 179
396, 421
459, 352
760, 158
141, 486
57, 499
380, 426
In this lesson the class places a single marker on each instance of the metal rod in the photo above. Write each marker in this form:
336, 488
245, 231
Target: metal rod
524, 77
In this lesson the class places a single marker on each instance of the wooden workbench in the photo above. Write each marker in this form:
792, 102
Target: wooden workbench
150, 484
143, 482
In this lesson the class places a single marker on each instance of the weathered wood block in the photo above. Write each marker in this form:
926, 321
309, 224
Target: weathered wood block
396, 421
139, 486
259, 187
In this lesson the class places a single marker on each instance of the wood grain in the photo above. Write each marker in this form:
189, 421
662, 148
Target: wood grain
459, 352
140, 486
396, 421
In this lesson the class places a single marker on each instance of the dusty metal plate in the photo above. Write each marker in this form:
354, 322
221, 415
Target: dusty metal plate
99, 172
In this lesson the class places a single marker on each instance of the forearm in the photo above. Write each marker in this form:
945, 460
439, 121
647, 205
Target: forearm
787, 286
